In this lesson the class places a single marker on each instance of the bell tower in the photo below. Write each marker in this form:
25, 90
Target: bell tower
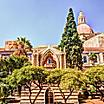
81, 18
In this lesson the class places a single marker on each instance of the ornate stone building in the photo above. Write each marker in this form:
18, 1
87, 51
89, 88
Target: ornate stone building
51, 57
48, 56
93, 42
84, 30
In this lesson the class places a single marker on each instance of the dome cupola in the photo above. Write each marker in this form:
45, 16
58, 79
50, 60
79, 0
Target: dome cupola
82, 27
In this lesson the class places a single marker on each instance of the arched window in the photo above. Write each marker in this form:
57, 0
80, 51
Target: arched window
49, 96
82, 20
49, 61
84, 59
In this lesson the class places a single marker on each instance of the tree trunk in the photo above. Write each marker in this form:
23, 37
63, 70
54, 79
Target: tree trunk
37, 96
65, 100
19, 91
63, 95
29, 87
30, 95
100, 92
101, 98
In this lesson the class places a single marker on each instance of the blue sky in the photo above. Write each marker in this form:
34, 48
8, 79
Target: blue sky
42, 21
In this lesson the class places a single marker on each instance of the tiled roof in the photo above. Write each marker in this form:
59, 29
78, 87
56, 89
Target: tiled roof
2, 49
99, 49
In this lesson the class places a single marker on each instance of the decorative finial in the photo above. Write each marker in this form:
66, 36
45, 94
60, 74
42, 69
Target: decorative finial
49, 46
81, 18
81, 13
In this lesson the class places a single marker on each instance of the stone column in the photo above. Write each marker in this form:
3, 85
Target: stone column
60, 61
57, 61
0, 56
89, 61
98, 59
65, 60
57, 64
101, 58
32, 59
37, 59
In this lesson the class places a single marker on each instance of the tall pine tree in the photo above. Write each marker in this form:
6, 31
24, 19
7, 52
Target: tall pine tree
72, 43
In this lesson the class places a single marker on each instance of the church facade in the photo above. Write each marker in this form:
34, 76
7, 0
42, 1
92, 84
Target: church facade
49, 57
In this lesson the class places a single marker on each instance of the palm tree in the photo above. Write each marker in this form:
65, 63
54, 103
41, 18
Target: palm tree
24, 46
24, 43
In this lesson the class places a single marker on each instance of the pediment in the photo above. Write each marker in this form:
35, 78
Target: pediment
50, 50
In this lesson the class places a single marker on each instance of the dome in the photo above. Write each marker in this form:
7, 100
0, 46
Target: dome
84, 29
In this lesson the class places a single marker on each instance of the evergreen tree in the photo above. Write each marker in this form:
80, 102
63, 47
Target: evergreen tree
72, 43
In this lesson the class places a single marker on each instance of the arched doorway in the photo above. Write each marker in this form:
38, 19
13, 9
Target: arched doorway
49, 96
